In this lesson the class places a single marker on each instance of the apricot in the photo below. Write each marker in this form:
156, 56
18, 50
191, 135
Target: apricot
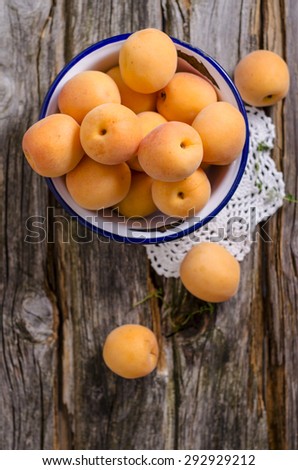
95, 186
147, 60
85, 91
110, 133
134, 163
210, 272
137, 102
171, 152
262, 78
184, 97
222, 129
52, 145
131, 351
148, 120
138, 202
182, 198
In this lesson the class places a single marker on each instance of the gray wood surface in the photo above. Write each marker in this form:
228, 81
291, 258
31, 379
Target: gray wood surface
226, 381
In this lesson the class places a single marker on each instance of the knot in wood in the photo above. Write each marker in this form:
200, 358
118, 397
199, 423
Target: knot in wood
35, 322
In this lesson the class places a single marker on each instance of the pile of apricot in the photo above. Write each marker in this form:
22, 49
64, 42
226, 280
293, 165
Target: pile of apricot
134, 137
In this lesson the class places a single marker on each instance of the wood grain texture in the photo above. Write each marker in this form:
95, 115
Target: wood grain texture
227, 379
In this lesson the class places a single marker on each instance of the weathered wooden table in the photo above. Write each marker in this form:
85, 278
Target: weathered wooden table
226, 381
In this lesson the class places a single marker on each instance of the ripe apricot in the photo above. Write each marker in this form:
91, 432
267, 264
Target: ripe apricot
147, 60
137, 102
85, 91
131, 351
138, 202
171, 152
210, 272
110, 133
182, 198
184, 97
52, 145
222, 129
148, 121
262, 78
95, 186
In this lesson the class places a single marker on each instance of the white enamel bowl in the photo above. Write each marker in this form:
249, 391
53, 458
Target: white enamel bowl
156, 228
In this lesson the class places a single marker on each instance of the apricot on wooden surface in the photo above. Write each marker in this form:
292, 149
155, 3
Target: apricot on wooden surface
262, 78
131, 351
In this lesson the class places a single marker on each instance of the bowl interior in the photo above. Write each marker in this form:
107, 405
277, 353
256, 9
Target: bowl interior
158, 227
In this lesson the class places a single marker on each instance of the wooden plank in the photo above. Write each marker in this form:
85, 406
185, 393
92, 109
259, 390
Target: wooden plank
288, 240
228, 379
280, 257
29, 318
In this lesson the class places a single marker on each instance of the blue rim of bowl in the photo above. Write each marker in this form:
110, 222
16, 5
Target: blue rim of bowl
195, 226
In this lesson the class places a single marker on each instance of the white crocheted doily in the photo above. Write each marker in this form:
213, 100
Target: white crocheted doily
258, 196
